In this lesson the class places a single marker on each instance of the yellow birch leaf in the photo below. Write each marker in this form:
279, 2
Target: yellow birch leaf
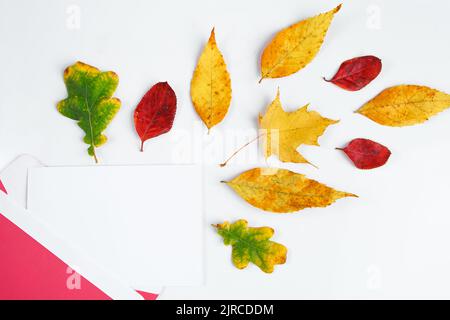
286, 131
211, 85
283, 191
294, 47
405, 105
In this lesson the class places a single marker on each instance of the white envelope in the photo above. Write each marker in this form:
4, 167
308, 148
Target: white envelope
102, 278
144, 222
15, 177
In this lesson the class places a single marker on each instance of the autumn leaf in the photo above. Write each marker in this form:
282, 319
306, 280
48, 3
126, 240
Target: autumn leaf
405, 105
155, 112
366, 154
211, 85
286, 131
252, 245
283, 191
294, 47
356, 73
283, 132
90, 101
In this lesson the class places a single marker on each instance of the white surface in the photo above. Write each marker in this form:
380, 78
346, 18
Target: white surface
139, 221
392, 242
102, 278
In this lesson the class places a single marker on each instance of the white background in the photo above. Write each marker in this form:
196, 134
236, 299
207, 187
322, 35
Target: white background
392, 242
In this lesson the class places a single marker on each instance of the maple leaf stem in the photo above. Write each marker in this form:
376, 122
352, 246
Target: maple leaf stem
260, 79
237, 151
313, 165
339, 149
142, 146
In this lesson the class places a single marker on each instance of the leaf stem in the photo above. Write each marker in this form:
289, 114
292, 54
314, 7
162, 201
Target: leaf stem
237, 151
94, 155
142, 146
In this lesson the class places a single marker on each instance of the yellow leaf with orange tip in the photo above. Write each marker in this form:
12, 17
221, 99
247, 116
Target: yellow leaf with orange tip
283, 191
405, 105
211, 85
285, 131
252, 245
294, 47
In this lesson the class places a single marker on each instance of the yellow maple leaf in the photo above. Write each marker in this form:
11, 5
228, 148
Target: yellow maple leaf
211, 85
405, 105
294, 47
283, 191
286, 131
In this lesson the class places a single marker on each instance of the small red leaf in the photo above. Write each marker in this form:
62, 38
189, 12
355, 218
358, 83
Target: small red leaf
155, 113
356, 73
366, 154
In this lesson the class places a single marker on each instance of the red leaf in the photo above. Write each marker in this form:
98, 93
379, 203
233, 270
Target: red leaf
356, 73
155, 113
366, 154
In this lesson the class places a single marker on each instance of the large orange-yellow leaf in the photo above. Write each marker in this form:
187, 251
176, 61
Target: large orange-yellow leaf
294, 47
405, 105
283, 191
252, 245
286, 131
211, 85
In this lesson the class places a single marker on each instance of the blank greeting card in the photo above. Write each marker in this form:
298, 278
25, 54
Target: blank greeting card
145, 222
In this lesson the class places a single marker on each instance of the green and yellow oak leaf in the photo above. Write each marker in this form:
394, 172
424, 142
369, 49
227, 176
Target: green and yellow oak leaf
285, 131
252, 245
283, 191
405, 105
90, 101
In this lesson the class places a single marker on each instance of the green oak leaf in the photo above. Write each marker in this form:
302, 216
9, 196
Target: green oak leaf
90, 101
252, 245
